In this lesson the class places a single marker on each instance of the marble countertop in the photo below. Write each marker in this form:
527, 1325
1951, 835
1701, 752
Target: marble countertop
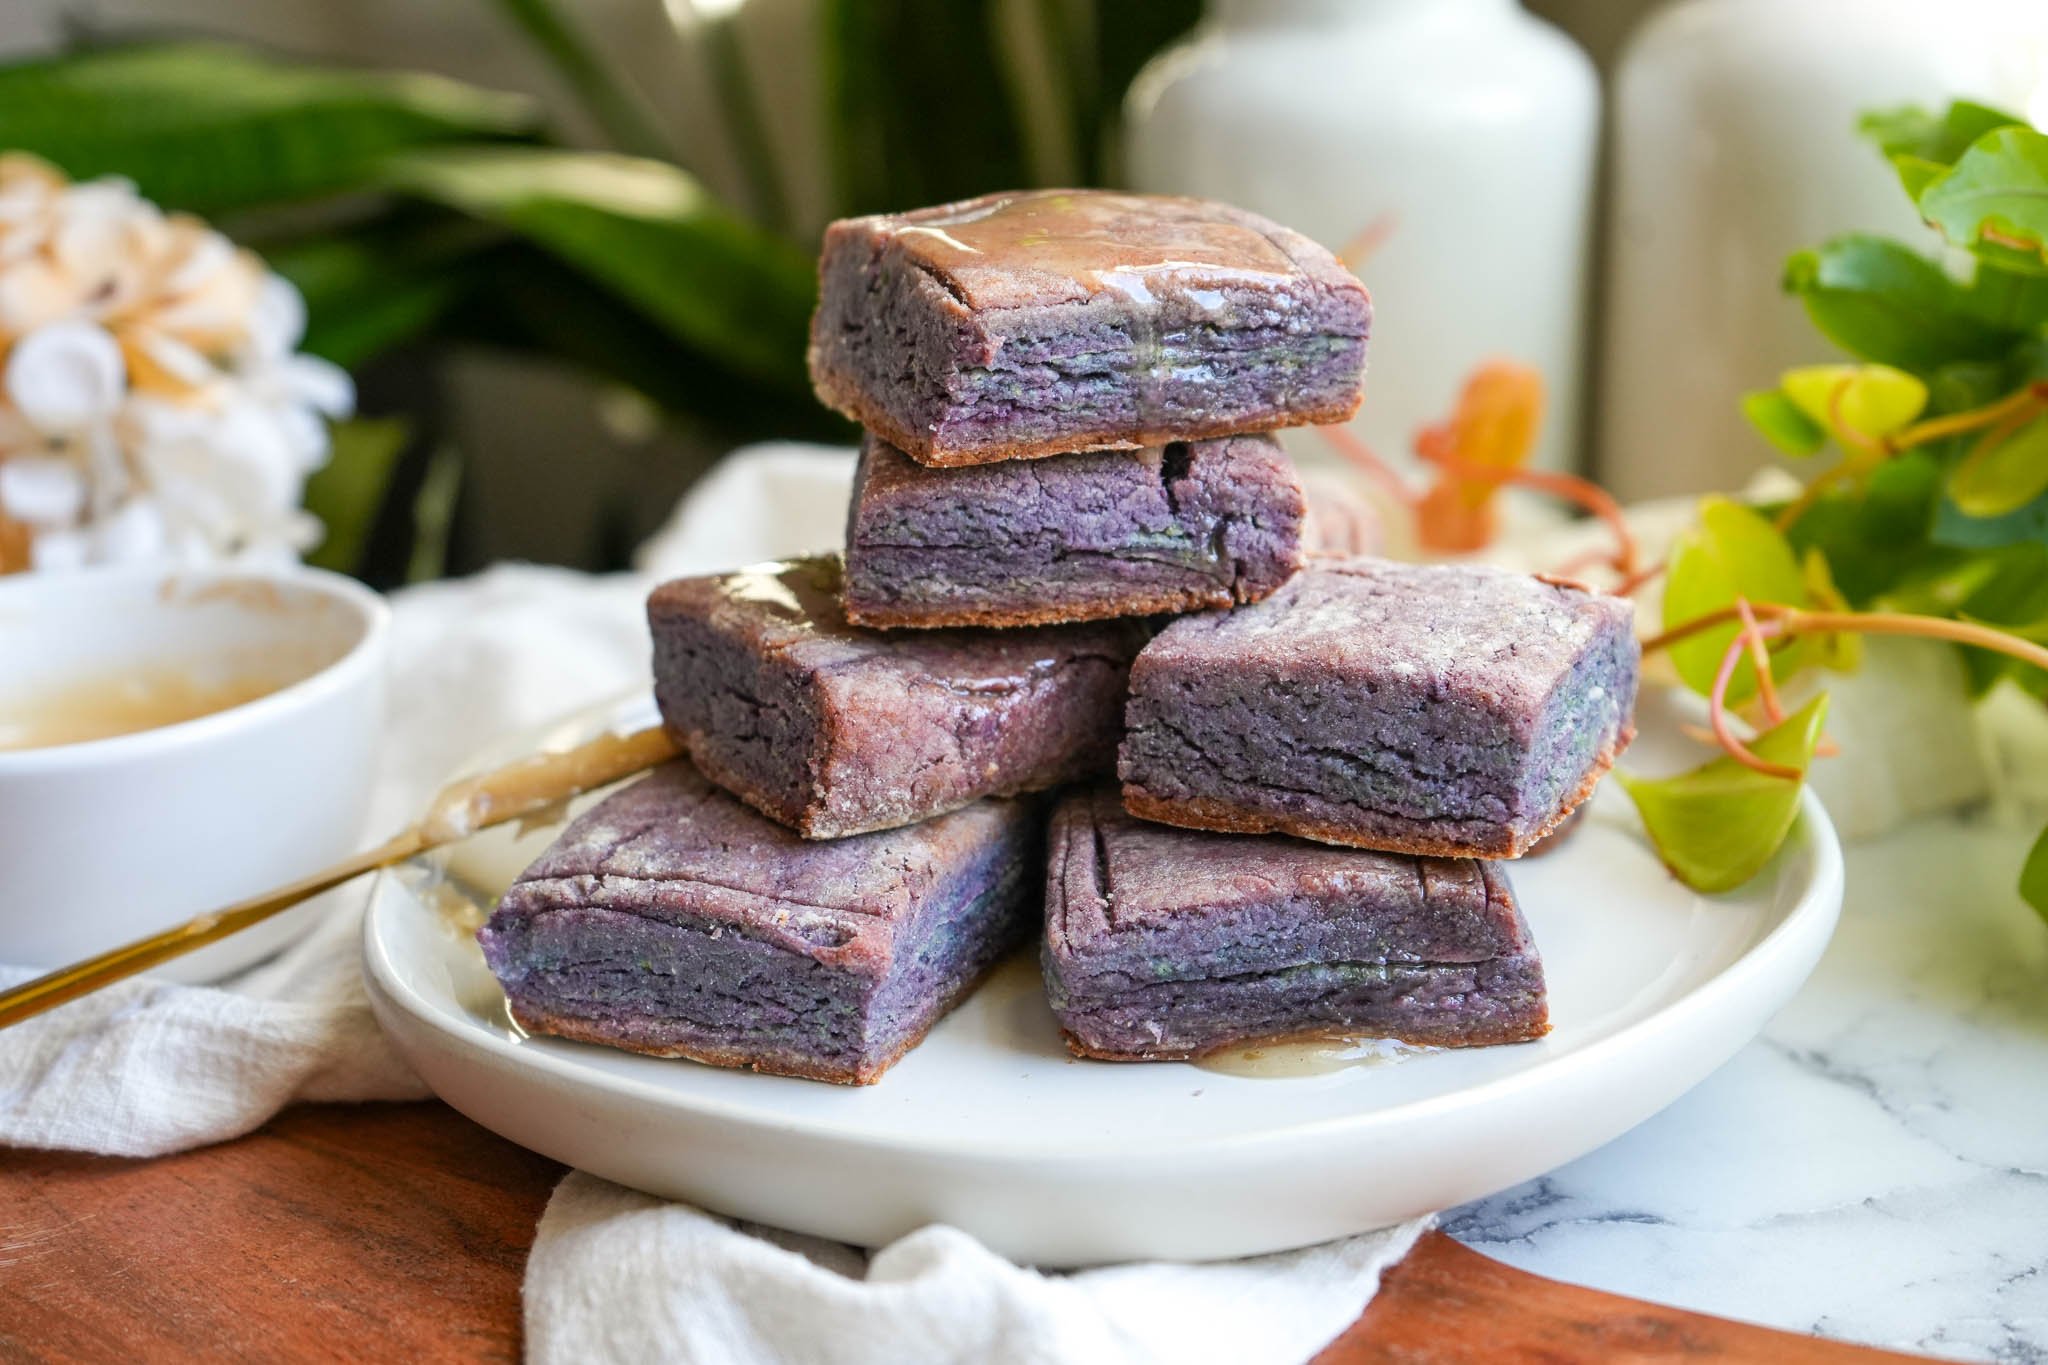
1875, 1167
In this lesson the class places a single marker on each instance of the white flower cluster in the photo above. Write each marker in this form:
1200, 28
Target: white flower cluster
151, 402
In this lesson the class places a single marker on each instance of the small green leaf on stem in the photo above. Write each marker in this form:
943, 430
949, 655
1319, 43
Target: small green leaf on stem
1781, 422
1733, 552
1716, 826
2002, 475
2034, 876
1856, 402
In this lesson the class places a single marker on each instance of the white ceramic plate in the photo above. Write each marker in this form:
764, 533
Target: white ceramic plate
991, 1126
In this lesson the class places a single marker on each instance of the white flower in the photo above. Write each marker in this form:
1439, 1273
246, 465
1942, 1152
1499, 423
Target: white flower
42, 490
152, 404
66, 376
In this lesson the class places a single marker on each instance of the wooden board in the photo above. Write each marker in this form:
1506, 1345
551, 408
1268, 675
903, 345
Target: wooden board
399, 1232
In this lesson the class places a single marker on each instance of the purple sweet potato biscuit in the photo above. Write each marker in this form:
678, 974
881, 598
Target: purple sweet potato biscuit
1039, 322
672, 920
1441, 709
1075, 537
1165, 943
836, 730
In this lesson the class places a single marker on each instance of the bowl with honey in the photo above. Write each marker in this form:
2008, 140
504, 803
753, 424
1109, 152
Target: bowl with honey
172, 740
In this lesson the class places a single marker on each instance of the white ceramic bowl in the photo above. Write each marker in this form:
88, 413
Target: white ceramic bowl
107, 840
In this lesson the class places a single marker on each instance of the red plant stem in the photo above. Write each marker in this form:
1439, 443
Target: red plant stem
1369, 463
1751, 636
1766, 685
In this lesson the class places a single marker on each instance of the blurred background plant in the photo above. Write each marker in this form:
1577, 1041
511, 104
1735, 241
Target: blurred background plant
421, 216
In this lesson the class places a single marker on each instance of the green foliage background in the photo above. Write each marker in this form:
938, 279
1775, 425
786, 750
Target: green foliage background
416, 212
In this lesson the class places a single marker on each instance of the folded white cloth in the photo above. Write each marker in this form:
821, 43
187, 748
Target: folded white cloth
620, 1276
148, 1068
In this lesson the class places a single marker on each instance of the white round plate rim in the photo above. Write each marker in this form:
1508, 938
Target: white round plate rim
1798, 909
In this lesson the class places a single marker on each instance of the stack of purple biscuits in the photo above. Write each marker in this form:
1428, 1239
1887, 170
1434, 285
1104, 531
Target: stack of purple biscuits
1073, 555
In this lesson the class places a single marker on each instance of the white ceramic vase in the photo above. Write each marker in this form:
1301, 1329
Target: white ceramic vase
1446, 147
1734, 146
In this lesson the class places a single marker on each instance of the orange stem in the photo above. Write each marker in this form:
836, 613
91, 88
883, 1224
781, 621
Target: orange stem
2025, 397
1570, 487
1766, 685
1750, 637
1348, 444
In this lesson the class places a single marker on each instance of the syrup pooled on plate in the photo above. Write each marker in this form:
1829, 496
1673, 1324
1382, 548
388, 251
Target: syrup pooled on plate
1309, 1057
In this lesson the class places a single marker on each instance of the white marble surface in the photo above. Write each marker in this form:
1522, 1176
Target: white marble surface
1875, 1167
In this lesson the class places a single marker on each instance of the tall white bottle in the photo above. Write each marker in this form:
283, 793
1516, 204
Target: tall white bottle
1445, 147
1735, 145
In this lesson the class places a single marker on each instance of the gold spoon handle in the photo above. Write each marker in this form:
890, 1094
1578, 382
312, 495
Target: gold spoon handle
508, 793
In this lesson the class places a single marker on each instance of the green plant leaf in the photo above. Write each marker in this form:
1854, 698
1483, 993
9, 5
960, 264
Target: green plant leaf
347, 492
1881, 302
2010, 300
1957, 529
540, 306
612, 101
379, 286
650, 235
1994, 200
1917, 132
1732, 552
1874, 400
1716, 826
1876, 537
1782, 423
917, 104
1993, 480
2012, 596
2034, 876
211, 128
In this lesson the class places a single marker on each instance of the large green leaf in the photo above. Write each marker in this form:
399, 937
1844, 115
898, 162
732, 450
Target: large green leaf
1716, 826
1879, 301
650, 235
2010, 300
917, 103
378, 286
1994, 200
211, 128
538, 305
1732, 552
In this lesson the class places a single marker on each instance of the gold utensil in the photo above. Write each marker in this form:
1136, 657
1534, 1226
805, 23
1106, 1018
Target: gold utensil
515, 791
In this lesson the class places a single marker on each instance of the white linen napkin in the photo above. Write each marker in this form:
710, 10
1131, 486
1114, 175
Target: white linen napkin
148, 1068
